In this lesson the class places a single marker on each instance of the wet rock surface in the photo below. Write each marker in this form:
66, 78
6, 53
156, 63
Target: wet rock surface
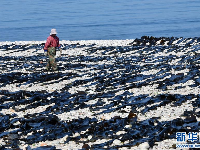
107, 94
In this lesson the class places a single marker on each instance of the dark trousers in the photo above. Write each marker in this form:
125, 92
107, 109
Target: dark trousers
51, 61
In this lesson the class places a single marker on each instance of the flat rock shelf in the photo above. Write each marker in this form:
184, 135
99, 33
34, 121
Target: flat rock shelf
107, 94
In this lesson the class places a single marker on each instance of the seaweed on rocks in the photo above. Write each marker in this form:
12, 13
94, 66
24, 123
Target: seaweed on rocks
112, 96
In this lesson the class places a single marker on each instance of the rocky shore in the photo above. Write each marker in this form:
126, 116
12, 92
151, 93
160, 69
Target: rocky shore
112, 94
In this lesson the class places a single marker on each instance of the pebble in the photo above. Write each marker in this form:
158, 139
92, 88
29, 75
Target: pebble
117, 142
144, 146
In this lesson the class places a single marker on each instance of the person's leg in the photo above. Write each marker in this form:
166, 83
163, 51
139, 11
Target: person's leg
48, 66
52, 59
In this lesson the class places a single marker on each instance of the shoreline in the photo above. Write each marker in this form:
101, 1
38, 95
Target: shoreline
67, 42
114, 42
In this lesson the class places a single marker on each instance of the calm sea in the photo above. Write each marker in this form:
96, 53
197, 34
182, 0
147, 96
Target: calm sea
27, 20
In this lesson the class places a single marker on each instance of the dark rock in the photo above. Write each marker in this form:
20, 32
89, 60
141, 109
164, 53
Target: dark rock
191, 118
86, 147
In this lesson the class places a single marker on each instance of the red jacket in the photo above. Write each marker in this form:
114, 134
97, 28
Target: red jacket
52, 42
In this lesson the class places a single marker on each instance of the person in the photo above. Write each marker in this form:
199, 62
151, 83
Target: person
50, 49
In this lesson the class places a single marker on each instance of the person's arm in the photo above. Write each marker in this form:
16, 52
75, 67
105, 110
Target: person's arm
59, 46
47, 44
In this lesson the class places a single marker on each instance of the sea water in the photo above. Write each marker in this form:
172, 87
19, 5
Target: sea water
27, 20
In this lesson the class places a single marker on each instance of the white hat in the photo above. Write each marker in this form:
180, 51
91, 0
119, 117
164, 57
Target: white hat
53, 31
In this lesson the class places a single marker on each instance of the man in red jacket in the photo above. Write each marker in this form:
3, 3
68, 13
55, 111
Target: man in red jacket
50, 49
